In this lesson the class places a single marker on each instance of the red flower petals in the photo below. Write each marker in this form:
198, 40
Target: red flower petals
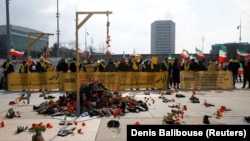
75, 123
137, 123
2, 124
83, 124
79, 131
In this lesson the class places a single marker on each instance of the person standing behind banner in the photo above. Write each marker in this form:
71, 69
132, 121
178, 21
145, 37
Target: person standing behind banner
176, 73
102, 66
73, 64
24, 67
233, 66
193, 65
110, 67
41, 66
123, 66
8, 68
185, 66
168, 67
62, 66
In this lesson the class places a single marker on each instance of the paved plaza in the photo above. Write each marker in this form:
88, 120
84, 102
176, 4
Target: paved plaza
95, 129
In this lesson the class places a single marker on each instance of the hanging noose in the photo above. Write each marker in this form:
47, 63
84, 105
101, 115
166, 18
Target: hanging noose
108, 25
108, 36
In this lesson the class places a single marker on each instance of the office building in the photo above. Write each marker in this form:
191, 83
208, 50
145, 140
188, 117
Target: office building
163, 37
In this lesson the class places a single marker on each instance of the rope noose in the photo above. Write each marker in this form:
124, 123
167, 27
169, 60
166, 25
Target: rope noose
108, 36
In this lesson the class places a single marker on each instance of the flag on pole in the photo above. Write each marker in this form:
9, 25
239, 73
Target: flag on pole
222, 54
191, 56
243, 54
185, 54
14, 52
199, 54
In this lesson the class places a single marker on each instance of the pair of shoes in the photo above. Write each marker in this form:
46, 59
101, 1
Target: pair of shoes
63, 122
113, 123
49, 97
179, 95
20, 129
194, 99
64, 133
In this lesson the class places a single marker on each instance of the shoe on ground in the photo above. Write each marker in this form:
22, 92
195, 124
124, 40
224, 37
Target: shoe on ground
247, 119
206, 119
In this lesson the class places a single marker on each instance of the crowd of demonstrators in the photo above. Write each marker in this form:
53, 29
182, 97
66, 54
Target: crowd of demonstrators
173, 67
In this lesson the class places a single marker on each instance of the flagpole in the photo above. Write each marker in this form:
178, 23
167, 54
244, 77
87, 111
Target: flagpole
202, 43
240, 34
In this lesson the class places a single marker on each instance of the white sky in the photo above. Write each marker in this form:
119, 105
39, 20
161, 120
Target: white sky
130, 21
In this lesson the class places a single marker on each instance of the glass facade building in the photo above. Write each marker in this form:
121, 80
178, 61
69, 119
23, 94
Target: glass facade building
19, 41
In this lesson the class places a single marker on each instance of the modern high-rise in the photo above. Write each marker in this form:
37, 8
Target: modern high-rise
163, 37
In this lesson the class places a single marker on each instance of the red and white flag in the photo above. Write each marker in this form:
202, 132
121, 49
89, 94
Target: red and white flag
14, 52
185, 54
243, 54
199, 54
222, 54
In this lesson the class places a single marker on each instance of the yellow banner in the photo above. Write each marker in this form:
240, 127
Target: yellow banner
67, 81
206, 80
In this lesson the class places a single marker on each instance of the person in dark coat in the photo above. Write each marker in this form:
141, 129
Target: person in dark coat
72, 65
8, 68
176, 73
123, 66
233, 66
193, 65
110, 67
246, 74
102, 66
62, 66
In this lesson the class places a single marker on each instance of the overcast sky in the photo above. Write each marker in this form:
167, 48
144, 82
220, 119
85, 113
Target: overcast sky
215, 21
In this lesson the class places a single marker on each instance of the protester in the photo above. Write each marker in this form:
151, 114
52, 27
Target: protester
168, 67
246, 74
8, 68
62, 66
176, 73
233, 66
